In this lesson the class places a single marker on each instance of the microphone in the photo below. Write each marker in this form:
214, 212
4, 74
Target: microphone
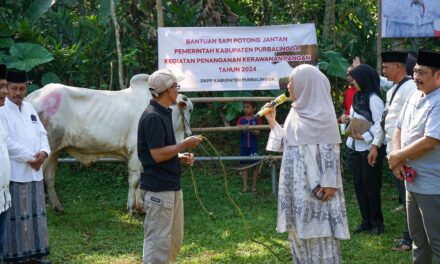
274, 103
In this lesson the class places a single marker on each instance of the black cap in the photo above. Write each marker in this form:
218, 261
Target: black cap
17, 77
3, 72
394, 56
429, 58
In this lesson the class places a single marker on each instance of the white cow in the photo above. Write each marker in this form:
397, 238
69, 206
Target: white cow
90, 124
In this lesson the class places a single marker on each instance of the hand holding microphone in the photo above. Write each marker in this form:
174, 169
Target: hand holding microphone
271, 105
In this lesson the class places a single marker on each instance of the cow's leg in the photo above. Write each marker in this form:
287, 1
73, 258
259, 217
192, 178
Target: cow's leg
49, 178
134, 175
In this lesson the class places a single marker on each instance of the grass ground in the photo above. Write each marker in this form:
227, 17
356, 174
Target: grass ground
95, 227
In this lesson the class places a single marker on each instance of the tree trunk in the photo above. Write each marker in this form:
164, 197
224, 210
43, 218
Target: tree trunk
379, 37
266, 13
159, 9
329, 22
118, 45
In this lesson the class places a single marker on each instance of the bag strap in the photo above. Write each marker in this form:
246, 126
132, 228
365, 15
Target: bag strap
397, 88
384, 114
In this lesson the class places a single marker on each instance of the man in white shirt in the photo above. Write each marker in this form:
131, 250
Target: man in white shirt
394, 69
27, 236
5, 167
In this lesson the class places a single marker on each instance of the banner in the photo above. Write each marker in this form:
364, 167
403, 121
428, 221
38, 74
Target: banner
236, 58
410, 18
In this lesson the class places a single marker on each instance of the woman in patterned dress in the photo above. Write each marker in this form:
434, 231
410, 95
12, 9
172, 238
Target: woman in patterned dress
310, 143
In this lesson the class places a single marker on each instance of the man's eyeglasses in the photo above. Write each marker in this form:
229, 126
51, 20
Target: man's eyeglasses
176, 86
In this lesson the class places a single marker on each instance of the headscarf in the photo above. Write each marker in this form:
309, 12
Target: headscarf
368, 81
312, 119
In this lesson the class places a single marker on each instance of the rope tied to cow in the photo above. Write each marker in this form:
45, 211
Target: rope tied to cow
228, 193
259, 163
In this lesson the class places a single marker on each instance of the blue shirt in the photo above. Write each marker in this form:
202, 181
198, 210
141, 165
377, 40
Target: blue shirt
248, 139
421, 117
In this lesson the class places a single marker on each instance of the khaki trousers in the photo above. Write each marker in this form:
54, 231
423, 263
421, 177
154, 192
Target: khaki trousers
163, 226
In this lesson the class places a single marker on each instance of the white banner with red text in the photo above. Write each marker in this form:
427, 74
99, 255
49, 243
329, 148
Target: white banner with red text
236, 58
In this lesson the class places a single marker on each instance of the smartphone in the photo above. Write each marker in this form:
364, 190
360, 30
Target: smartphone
318, 195
410, 174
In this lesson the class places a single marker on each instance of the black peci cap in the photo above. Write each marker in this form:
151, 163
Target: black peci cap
17, 77
3, 71
429, 58
394, 56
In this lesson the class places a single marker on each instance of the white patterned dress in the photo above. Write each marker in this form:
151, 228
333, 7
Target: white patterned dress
314, 227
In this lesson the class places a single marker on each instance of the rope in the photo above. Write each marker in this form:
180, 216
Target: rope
260, 162
231, 200
196, 193
225, 180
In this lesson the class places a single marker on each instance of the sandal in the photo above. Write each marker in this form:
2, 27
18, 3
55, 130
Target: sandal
254, 193
403, 245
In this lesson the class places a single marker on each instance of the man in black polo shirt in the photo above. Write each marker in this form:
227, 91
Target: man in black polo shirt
160, 179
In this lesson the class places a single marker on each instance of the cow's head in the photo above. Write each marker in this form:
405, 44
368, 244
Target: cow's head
181, 117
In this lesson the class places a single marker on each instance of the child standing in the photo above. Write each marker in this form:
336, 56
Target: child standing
248, 143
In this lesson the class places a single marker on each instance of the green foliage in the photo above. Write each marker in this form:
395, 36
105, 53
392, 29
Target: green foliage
32, 87
105, 10
333, 63
37, 9
81, 39
25, 56
181, 14
6, 42
50, 77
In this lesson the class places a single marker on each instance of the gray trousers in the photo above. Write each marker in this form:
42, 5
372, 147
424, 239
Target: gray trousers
424, 226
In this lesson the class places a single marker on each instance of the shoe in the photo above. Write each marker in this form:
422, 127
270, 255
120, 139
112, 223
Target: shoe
403, 245
362, 228
378, 229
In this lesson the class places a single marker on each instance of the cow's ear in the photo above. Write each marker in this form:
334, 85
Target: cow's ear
181, 105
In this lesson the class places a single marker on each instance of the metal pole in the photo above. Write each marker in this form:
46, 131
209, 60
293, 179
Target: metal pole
274, 178
195, 100
231, 128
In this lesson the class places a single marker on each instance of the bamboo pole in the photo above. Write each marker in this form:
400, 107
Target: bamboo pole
159, 9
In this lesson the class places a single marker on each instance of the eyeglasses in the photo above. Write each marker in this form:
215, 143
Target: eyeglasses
175, 86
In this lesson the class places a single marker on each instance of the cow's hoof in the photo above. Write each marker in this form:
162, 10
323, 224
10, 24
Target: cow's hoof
59, 210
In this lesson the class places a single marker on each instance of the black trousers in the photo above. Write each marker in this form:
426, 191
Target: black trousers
367, 185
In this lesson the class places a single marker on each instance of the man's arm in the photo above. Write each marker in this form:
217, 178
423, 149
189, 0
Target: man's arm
19, 153
413, 151
168, 152
395, 165
44, 150
396, 141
